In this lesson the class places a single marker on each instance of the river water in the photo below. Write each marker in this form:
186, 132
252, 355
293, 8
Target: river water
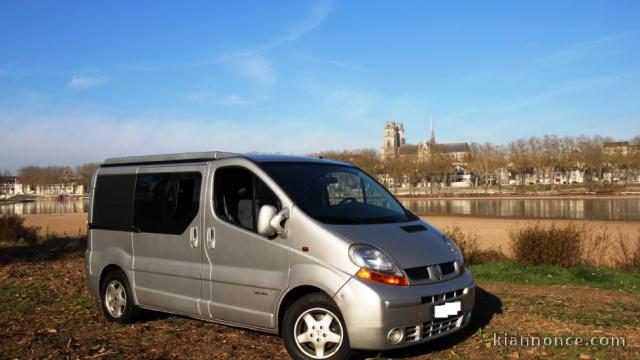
582, 209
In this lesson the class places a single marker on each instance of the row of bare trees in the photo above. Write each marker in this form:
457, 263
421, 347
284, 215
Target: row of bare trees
534, 158
542, 157
49, 175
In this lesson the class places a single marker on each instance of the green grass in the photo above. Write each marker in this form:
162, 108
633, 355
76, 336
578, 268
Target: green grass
23, 299
601, 278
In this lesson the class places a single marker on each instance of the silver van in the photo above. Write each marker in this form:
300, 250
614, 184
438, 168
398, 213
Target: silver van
314, 250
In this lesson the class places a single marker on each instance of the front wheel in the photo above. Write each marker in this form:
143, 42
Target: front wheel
313, 328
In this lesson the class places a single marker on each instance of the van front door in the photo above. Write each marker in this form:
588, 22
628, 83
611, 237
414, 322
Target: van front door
167, 249
244, 273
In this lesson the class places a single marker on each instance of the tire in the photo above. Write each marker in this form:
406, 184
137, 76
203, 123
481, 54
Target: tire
116, 298
307, 317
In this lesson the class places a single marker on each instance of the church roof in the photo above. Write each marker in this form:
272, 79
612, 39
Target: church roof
454, 147
409, 149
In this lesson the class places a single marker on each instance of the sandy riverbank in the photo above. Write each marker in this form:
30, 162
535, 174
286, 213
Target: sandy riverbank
65, 224
493, 233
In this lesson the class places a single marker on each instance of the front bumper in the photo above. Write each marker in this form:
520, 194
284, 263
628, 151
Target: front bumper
371, 310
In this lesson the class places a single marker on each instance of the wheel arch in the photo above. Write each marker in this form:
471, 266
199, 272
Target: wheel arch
290, 297
113, 267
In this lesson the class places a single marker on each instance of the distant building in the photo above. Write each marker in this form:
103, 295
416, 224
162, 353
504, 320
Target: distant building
394, 145
11, 186
623, 148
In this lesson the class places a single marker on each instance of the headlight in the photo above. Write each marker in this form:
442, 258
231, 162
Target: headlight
455, 250
376, 265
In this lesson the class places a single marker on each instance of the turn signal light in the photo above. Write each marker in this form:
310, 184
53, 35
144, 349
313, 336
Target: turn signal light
382, 278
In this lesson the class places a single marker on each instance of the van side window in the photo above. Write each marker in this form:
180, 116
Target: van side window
166, 203
113, 201
238, 196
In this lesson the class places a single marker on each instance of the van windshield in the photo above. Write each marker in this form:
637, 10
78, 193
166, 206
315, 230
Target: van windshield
336, 194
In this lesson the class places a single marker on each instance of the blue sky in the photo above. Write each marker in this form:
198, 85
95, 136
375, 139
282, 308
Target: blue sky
81, 81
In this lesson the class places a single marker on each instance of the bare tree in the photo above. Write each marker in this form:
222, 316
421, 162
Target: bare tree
84, 173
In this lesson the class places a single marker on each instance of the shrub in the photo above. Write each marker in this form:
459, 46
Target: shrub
627, 255
467, 242
13, 230
558, 245
596, 246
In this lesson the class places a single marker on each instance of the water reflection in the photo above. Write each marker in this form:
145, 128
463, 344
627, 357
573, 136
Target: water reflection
583, 209
46, 206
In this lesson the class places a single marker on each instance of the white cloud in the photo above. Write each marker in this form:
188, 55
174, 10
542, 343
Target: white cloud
576, 51
104, 137
349, 102
233, 99
255, 68
555, 93
83, 82
317, 15
336, 63
210, 97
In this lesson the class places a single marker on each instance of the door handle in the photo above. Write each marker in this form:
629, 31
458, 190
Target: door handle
193, 237
211, 238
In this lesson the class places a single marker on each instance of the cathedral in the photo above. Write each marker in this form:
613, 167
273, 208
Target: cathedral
395, 145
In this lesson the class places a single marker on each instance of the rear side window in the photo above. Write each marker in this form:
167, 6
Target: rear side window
166, 203
113, 201
238, 196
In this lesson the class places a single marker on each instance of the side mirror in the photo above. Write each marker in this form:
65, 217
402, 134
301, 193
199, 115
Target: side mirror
270, 220
267, 212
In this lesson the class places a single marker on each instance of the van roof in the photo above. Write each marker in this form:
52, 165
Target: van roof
208, 156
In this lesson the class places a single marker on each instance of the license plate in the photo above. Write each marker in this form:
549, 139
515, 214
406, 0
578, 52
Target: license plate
447, 309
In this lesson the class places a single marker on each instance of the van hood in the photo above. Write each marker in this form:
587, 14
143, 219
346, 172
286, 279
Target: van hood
408, 244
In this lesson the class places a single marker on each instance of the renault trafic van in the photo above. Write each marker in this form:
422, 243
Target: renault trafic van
314, 250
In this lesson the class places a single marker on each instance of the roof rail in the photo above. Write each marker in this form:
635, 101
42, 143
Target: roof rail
168, 158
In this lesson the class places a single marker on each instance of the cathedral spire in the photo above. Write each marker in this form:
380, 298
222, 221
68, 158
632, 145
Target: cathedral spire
432, 133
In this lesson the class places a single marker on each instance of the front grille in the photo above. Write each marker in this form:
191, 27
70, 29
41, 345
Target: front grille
442, 297
422, 272
442, 326
432, 329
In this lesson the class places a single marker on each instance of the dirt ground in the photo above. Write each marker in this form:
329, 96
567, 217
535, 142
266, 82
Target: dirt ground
46, 312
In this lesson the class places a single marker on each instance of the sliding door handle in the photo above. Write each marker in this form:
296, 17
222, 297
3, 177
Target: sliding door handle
193, 237
211, 238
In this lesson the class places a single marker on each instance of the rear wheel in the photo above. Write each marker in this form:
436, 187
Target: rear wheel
313, 328
116, 299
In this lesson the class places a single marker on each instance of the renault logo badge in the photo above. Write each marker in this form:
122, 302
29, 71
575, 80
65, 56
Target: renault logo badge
435, 272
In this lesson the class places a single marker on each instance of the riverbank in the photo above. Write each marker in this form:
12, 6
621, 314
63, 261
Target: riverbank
520, 192
492, 233
521, 196
62, 224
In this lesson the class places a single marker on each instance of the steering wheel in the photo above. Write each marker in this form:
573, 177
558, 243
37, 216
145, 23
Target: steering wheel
349, 199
